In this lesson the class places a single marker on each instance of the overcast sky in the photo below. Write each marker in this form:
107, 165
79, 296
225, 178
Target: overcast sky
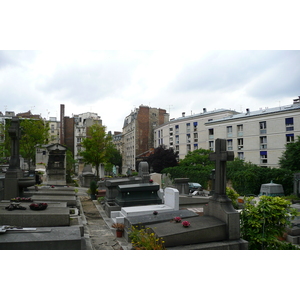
112, 83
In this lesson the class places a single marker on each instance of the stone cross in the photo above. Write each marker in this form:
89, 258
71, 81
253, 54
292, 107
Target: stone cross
220, 157
15, 135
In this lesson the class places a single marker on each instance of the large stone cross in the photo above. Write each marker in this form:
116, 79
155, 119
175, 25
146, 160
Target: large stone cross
221, 156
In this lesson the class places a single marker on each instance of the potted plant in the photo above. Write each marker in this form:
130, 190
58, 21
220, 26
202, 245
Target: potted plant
93, 190
119, 229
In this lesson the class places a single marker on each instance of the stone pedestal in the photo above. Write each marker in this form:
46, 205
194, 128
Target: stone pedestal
182, 185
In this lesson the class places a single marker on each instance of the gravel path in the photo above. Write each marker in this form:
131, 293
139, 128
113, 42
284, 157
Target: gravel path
101, 237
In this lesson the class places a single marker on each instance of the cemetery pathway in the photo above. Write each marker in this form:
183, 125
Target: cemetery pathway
101, 237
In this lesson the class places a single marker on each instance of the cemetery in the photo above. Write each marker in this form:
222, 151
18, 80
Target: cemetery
50, 216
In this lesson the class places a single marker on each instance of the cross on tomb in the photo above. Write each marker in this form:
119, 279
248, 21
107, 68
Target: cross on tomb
221, 156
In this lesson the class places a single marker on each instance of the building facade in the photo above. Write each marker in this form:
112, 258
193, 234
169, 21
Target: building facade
138, 135
81, 124
259, 136
188, 133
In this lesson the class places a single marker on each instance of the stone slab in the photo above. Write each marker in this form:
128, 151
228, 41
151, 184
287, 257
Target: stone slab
46, 238
47, 192
145, 220
52, 216
203, 229
70, 200
223, 245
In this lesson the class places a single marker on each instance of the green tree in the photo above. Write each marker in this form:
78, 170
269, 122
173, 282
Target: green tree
33, 132
96, 146
70, 165
247, 177
262, 224
196, 166
290, 157
114, 158
162, 157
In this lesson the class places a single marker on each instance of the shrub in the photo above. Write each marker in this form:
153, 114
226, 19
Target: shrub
263, 223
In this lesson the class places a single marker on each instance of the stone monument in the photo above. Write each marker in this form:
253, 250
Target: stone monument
56, 167
14, 180
220, 206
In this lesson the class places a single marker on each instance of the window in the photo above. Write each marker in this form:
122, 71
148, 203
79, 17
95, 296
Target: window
263, 157
177, 148
240, 130
289, 123
177, 139
188, 127
195, 146
241, 155
177, 129
188, 148
211, 145
195, 126
188, 138
229, 144
240, 143
290, 138
211, 133
263, 127
263, 142
195, 137
171, 129
229, 131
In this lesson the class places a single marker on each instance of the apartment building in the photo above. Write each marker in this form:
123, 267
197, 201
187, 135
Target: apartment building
256, 136
259, 136
188, 133
138, 133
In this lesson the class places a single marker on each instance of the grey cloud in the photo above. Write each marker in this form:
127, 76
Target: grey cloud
229, 70
89, 83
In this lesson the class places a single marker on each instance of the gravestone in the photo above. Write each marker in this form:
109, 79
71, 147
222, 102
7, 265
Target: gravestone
182, 185
56, 167
220, 206
14, 181
144, 171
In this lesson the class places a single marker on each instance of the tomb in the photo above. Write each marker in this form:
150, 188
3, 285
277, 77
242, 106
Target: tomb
171, 203
138, 194
56, 167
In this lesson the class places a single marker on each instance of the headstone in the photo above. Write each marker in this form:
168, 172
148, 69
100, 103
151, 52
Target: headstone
156, 177
220, 206
144, 171
182, 185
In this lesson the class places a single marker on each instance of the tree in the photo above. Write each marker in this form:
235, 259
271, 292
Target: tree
196, 166
114, 157
262, 224
290, 159
33, 132
96, 146
162, 157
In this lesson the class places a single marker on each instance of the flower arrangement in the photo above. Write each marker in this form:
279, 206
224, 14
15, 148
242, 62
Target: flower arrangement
20, 199
177, 219
186, 224
52, 186
155, 213
38, 206
118, 226
150, 181
144, 239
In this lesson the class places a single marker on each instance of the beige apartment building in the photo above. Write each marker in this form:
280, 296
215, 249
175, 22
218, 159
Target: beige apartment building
258, 137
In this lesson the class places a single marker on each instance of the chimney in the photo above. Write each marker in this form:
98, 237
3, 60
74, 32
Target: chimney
62, 124
183, 114
204, 110
296, 101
